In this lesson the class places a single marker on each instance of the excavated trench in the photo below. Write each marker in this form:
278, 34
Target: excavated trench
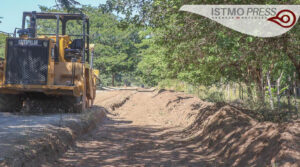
164, 128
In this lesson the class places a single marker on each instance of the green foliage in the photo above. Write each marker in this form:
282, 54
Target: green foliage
116, 52
115, 48
274, 91
2, 45
152, 67
185, 47
199, 51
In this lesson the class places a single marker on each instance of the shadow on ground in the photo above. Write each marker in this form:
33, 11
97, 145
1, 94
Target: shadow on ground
230, 142
118, 143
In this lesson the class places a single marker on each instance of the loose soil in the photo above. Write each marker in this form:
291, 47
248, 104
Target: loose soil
163, 128
31, 138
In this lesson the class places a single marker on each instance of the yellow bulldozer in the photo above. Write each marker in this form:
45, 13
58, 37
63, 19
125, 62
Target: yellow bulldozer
48, 66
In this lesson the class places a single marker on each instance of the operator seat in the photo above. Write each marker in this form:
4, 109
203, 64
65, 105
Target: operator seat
75, 49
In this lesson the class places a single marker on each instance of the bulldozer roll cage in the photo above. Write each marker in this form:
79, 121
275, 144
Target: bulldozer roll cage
63, 18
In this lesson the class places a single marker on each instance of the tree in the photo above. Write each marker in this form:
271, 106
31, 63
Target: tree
190, 51
116, 50
69, 5
133, 11
152, 68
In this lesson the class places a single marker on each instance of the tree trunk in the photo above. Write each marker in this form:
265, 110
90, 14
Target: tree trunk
296, 63
295, 91
113, 79
278, 90
270, 92
234, 90
240, 91
259, 83
289, 94
248, 90
228, 92
260, 91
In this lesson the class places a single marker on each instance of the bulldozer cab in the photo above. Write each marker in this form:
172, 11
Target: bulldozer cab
52, 64
78, 45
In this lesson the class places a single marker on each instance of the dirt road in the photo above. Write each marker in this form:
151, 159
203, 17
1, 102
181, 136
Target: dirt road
174, 129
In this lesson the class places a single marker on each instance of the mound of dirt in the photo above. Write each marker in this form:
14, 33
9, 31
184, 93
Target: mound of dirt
113, 99
231, 134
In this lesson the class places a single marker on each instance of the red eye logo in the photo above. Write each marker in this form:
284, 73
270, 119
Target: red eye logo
284, 18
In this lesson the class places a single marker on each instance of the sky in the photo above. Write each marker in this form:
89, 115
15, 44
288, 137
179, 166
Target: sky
12, 10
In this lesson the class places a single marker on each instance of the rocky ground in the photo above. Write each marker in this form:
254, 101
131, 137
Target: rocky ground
163, 128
